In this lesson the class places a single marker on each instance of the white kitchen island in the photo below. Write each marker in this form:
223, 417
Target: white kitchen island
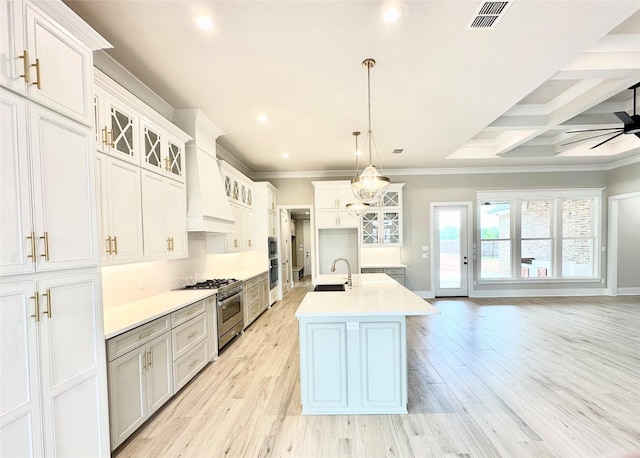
353, 346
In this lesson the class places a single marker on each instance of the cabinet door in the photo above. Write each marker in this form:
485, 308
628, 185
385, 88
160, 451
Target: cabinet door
73, 362
16, 247
383, 376
233, 239
66, 88
272, 223
323, 370
327, 218
346, 220
326, 197
345, 196
12, 46
175, 217
370, 228
151, 148
156, 242
248, 230
120, 131
125, 211
64, 208
159, 366
127, 395
174, 160
391, 234
20, 411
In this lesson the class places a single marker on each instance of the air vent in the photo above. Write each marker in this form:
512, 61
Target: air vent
398, 150
488, 15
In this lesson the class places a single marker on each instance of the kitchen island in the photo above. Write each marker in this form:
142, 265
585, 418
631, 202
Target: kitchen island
353, 346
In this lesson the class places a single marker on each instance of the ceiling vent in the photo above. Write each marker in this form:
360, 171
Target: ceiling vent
398, 150
488, 15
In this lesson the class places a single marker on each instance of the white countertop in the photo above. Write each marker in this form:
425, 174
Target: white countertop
372, 294
388, 265
133, 314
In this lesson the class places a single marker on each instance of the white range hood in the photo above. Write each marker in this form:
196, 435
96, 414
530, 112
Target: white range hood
208, 208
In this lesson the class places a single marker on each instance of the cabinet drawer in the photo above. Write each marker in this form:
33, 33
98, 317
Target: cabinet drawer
119, 345
186, 313
394, 271
188, 335
252, 294
372, 270
185, 368
256, 280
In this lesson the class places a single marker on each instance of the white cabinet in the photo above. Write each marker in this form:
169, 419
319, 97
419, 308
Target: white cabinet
264, 204
212, 323
239, 191
353, 365
255, 297
120, 209
331, 199
116, 126
164, 217
140, 382
53, 347
160, 152
382, 225
42, 60
49, 218
397, 273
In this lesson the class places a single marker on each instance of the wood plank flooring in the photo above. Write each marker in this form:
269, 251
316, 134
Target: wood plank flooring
487, 378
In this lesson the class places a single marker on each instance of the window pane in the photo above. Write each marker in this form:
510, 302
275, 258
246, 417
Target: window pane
536, 219
495, 221
536, 258
576, 218
495, 261
577, 257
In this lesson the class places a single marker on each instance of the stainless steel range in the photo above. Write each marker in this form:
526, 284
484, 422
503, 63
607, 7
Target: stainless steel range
229, 305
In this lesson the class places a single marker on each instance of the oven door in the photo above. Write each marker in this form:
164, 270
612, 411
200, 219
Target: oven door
230, 318
273, 273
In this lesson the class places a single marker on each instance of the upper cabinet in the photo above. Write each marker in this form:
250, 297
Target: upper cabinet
239, 190
116, 127
48, 220
162, 153
382, 225
44, 62
331, 199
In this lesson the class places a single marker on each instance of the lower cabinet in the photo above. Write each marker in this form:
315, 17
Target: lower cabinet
255, 297
353, 365
149, 364
52, 356
397, 273
140, 382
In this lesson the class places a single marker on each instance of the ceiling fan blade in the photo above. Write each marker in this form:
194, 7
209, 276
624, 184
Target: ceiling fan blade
589, 138
624, 117
607, 140
591, 130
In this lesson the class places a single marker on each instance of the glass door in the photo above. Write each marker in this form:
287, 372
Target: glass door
451, 258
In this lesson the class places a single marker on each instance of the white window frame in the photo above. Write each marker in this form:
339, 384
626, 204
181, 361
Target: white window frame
515, 198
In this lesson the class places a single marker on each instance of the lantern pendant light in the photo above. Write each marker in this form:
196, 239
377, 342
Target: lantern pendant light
359, 208
370, 186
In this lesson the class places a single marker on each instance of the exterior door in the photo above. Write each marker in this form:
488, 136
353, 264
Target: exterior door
450, 251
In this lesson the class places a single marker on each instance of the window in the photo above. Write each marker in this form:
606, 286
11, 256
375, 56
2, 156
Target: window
542, 235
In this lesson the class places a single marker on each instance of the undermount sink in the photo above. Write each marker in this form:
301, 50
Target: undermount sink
330, 287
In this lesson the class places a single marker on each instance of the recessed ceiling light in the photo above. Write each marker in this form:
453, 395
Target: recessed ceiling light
392, 13
285, 155
203, 21
262, 118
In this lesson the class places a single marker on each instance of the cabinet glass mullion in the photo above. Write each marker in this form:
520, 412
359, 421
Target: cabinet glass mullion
122, 132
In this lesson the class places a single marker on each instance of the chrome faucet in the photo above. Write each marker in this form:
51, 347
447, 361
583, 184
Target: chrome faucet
333, 269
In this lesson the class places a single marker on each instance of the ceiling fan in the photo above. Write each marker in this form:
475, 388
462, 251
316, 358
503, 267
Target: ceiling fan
631, 125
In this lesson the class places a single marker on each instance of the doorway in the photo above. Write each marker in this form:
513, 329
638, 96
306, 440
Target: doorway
296, 244
451, 261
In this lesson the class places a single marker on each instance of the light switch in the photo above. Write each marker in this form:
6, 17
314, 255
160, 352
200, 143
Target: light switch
425, 255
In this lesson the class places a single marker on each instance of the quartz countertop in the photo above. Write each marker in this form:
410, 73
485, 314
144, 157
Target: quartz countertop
133, 314
371, 294
387, 265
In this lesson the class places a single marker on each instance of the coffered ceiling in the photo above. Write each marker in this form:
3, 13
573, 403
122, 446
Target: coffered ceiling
448, 95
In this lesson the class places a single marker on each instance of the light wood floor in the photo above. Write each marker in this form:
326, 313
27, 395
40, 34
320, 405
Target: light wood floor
489, 377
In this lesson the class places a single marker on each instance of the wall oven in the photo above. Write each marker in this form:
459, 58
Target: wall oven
273, 247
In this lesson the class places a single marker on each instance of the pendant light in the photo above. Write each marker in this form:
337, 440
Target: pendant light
359, 208
370, 186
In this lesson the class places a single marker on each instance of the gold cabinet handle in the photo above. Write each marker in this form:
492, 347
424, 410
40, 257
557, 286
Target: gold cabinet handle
48, 311
193, 334
167, 167
36, 299
249, 242
146, 334
110, 141
105, 141
45, 237
144, 361
38, 81
169, 244
32, 237
25, 66
115, 244
194, 362
150, 360
172, 247
109, 250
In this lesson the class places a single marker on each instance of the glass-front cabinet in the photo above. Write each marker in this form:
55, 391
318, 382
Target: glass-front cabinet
382, 226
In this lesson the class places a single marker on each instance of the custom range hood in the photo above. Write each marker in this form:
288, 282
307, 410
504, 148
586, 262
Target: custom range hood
208, 208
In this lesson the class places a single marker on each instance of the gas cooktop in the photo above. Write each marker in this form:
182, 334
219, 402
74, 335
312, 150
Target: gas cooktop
212, 284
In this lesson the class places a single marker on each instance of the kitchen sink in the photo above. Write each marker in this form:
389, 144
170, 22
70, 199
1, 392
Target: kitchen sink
330, 287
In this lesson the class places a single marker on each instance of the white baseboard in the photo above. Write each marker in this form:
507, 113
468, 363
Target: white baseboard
540, 292
630, 291
425, 294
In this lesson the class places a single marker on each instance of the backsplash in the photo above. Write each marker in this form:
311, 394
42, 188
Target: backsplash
131, 282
